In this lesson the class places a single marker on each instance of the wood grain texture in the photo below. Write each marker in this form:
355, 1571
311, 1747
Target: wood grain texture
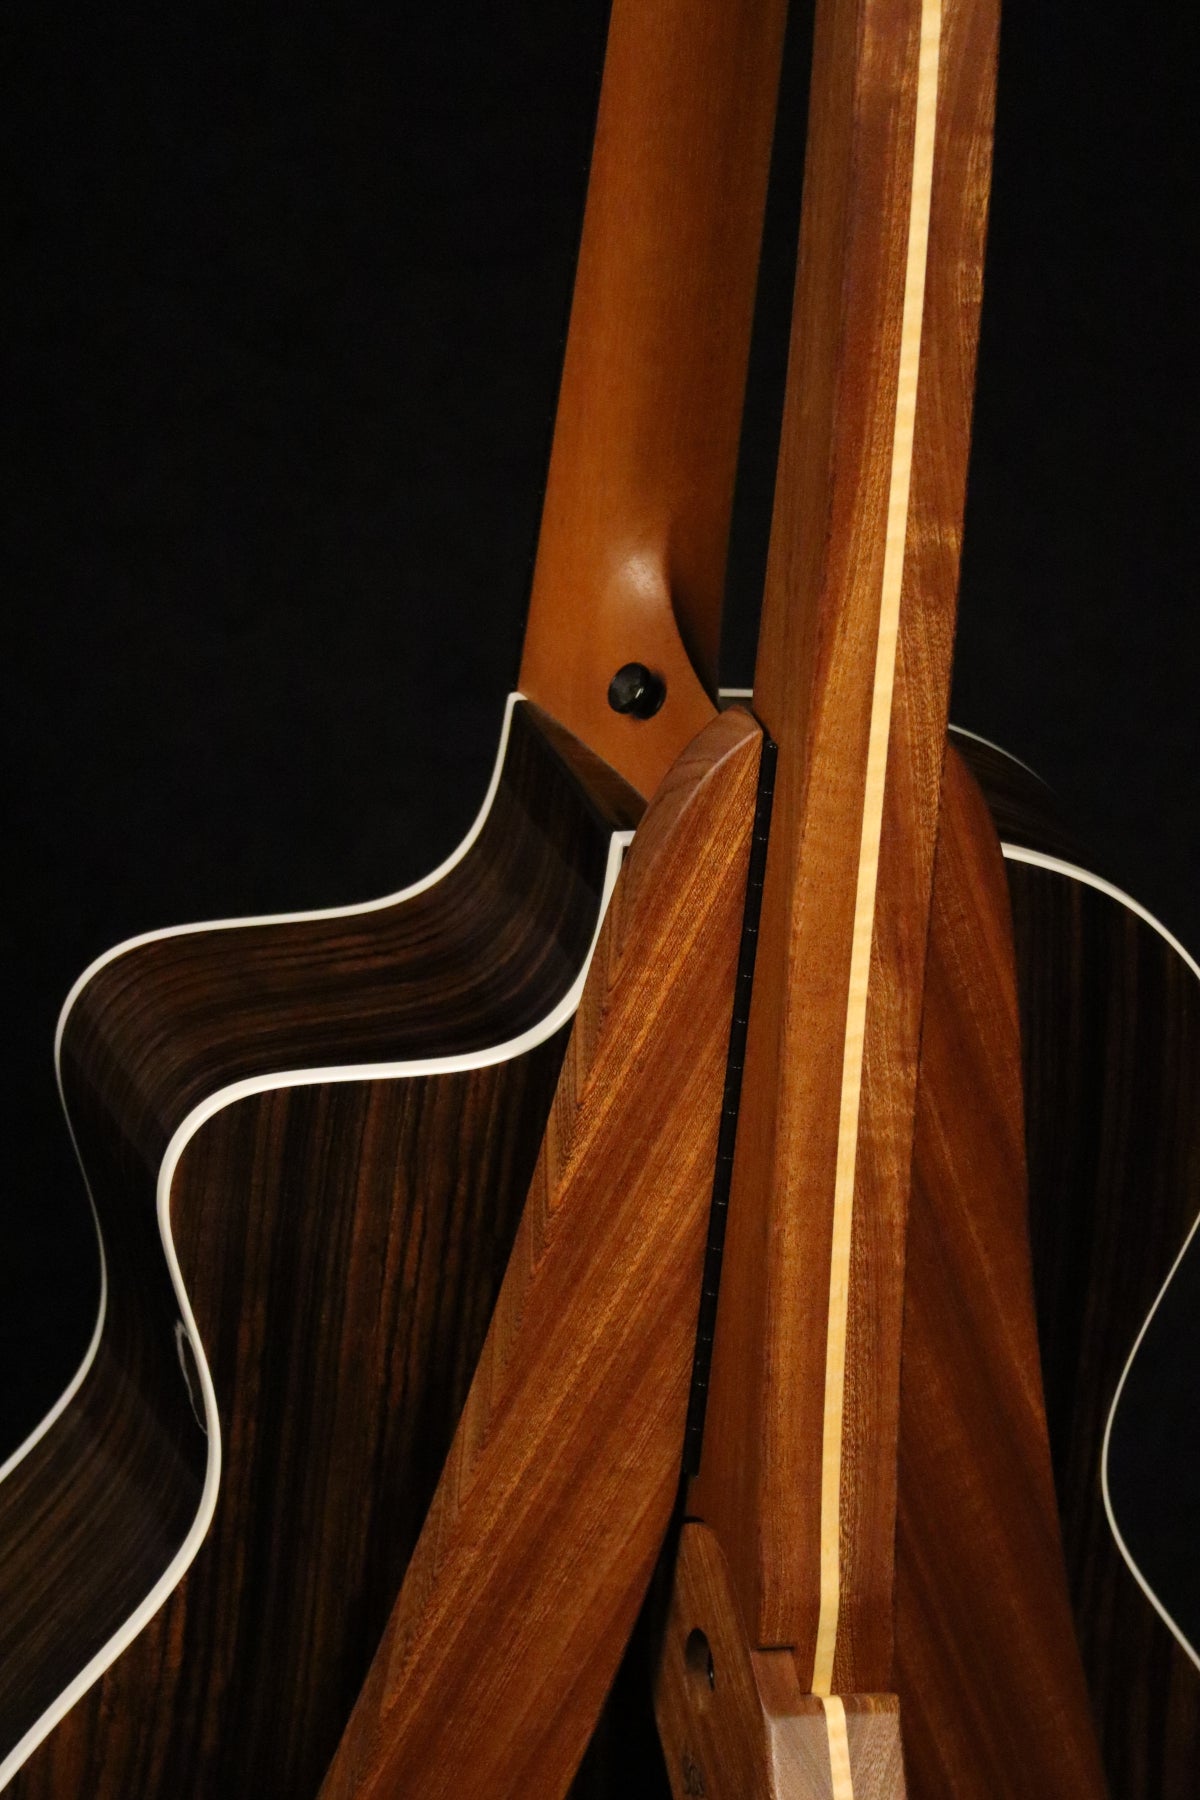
555, 1499
761, 1477
1110, 1026
990, 1682
1024, 810
738, 1724
341, 1244
631, 556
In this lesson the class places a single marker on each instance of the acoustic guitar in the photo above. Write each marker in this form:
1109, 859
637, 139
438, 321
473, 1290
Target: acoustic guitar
1109, 1011
762, 1218
308, 1140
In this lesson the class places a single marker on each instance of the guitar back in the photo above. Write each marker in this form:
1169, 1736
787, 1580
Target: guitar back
1110, 1035
308, 1143
309, 1140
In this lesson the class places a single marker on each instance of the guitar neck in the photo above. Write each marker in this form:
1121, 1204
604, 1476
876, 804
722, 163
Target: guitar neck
631, 557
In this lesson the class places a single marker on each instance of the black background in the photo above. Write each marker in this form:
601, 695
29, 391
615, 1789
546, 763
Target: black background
287, 292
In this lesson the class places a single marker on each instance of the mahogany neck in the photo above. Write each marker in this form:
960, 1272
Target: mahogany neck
631, 557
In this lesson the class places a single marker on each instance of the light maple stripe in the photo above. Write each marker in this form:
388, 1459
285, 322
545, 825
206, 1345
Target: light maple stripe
868, 856
841, 1780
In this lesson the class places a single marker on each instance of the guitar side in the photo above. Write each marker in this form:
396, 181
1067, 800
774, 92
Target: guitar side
308, 1141
1110, 1028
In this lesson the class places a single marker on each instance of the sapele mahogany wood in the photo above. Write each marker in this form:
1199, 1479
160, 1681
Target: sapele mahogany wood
1110, 1029
987, 1669
738, 1723
342, 1245
792, 1401
631, 556
560, 1482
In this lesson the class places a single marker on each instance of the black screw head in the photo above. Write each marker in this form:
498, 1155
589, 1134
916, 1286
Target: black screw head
636, 689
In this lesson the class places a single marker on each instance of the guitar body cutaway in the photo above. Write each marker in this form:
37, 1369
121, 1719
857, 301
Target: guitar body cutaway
308, 1142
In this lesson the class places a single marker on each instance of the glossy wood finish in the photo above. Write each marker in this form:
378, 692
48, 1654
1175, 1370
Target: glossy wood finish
1111, 1021
798, 1469
560, 1483
1110, 1025
631, 556
991, 1686
738, 1723
987, 1671
1023, 808
341, 1243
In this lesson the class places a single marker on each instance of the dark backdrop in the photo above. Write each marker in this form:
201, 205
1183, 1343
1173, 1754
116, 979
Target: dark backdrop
287, 291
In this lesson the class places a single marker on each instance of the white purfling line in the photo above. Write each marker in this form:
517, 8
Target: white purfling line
991, 744
89, 1356
151, 937
1038, 859
320, 912
1056, 865
527, 1040
868, 861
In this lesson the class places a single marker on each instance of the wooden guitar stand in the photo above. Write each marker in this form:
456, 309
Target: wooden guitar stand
765, 1346
867, 1587
986, 1688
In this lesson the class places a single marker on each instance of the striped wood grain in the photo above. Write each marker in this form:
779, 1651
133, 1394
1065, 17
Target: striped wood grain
1110, 1033
340, 1239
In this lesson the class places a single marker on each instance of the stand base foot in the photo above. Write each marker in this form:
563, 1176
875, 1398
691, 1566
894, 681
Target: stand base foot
734, 1721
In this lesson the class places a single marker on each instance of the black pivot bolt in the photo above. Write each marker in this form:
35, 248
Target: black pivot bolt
636, 689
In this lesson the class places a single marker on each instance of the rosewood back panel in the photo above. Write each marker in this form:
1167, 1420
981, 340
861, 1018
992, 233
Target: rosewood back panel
340, 1241
1110, 1033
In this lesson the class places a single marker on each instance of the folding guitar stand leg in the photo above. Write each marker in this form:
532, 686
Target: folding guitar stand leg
798, 1643
804, 1630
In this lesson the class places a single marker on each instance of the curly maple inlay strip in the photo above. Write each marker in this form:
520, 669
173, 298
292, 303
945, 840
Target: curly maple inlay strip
868, 871
841, 1779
